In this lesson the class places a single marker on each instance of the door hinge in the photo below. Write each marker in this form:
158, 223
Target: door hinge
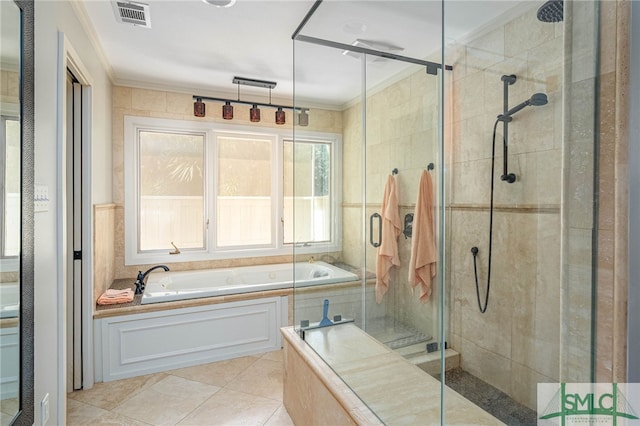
77, 255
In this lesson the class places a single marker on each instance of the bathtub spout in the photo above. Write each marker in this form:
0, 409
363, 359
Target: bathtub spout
142, 275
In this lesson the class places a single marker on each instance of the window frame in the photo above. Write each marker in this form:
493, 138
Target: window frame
211, 131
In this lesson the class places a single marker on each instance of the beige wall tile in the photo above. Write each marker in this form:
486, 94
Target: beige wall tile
305, 396
486, 365
121, 97
486, 50
525, 33
13, 84
524, 383
179, 103
148, 100
103, 248
582, 48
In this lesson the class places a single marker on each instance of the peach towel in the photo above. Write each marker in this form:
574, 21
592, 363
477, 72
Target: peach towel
422, 266
111, 297
391, 228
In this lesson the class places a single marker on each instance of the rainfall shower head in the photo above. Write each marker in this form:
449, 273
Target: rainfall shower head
537, 99
551, 11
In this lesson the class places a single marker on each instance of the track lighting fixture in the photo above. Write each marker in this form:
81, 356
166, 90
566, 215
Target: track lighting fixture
303, 118
198, 108
254, 112
227, 111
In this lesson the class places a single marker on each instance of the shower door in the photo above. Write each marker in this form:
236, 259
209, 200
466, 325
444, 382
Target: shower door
386, 108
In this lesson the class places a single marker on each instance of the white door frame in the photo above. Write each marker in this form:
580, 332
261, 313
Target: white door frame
68, 58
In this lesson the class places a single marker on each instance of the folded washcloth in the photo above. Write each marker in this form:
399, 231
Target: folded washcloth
111, 297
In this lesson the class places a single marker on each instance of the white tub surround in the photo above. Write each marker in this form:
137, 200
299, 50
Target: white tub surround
137, 344
181, 285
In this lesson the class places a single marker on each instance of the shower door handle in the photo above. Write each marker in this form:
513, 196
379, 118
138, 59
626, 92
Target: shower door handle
371, 218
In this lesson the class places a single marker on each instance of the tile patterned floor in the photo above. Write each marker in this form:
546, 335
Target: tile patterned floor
241, 391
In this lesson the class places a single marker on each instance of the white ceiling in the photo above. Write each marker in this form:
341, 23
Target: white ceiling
197, 47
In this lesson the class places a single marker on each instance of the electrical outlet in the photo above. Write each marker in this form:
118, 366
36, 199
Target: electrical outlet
44, 410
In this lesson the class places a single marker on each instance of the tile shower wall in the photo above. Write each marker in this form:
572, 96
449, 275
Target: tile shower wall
538, 324
516, 343
611, 331
402, 122
179, 106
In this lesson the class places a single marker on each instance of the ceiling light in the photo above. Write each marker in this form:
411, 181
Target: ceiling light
254, 114
253, 82
220, 3
303, 118
227, 111
280, 116
198, 108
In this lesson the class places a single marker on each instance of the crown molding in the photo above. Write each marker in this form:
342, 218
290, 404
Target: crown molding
82, 15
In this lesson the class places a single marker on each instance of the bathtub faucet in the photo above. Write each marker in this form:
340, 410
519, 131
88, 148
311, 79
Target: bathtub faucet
142, 275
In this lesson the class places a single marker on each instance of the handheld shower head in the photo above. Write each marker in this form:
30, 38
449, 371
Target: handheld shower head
537, 99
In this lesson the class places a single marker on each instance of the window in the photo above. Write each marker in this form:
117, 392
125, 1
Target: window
223, 191
308, 192
244, 198
10, 181
171, 190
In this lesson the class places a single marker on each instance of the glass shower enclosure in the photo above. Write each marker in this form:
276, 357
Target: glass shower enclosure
460, 191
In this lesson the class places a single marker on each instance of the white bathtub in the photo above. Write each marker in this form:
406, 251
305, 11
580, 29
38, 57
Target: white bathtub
169, 286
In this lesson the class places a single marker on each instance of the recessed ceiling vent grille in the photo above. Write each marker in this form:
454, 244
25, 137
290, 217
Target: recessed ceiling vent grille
133, 13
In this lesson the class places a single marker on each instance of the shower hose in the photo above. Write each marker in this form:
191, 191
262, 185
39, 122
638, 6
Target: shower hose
474, 250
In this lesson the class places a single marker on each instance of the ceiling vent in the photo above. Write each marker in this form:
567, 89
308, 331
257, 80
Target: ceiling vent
134, 13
